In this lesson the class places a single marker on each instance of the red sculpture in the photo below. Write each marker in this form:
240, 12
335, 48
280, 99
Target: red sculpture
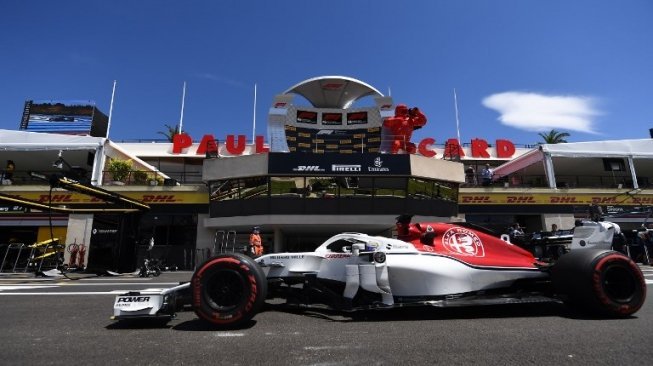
402, 125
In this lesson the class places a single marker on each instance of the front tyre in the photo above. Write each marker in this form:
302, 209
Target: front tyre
602, 282
228, 289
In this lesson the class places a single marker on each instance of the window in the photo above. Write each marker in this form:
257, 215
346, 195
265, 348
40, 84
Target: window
614, 165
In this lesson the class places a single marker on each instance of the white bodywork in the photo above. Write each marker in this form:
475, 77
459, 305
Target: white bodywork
596, 235
406, 272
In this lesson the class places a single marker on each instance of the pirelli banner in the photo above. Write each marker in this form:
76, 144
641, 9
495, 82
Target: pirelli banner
338, 164
501, 198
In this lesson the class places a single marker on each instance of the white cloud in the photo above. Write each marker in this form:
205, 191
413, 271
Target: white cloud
538, 112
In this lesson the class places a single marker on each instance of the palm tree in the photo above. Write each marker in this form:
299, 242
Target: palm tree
554, 137
171, 132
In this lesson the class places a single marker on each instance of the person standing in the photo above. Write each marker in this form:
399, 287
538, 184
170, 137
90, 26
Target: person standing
470, 176
486, 175
7, 176
255, 242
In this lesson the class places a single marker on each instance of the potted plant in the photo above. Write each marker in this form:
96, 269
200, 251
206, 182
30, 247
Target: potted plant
140, 177
119, 169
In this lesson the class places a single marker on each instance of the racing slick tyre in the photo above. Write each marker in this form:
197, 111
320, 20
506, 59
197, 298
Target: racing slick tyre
602, 282
228, 289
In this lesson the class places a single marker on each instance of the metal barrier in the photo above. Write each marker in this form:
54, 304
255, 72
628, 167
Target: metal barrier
54, 258
224, 239
20, 247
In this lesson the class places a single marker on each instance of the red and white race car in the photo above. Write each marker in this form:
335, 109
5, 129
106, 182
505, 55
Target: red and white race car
436, 264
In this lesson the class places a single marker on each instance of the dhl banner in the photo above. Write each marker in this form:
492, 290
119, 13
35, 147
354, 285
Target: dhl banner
146, 197
552, 199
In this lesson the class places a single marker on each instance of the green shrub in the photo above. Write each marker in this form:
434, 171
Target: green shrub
119, 169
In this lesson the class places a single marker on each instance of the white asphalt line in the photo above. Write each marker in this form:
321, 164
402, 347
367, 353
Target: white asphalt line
118, 284
24, 287
56, 293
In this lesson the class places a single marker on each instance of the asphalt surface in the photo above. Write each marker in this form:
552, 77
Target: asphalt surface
64, 322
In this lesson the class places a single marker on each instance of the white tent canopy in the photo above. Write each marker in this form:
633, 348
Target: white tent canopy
23, 141
613, 148
32, 141
625, 149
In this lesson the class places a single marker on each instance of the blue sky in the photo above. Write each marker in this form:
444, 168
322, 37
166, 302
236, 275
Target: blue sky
519, 66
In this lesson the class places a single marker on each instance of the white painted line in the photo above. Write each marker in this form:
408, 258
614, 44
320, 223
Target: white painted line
118, 284
24, 287
115, 292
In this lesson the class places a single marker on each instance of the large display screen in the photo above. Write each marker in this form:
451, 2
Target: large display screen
357, 118
66, 117
332, 119
307, 117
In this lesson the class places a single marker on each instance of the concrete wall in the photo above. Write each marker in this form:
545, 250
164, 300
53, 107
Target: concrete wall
446, 170
242, 166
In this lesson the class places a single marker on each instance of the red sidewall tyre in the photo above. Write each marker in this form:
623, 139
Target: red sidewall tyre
228, 290
601, 282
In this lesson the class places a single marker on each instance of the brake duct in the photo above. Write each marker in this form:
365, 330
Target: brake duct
370, 277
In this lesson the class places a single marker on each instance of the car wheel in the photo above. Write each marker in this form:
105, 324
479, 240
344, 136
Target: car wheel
602, 282
228, 290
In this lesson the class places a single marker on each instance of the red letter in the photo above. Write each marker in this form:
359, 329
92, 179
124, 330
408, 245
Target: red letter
505, 149
479, 148
231, 146
181, 141
424, 145
452, 148
260, 145
207, 144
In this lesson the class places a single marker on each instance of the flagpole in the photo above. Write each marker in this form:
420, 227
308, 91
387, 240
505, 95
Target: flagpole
254, 119
181, 117
455, 102
113, 94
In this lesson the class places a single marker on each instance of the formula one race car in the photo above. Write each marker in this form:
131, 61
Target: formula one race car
436, 264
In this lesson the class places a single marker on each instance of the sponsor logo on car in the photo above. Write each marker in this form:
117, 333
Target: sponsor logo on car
133, 299
337, 256
462, 241
294, 256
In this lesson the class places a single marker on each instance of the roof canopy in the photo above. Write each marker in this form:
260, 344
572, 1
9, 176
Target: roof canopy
333, 91
31, 141
642, 148
636, 149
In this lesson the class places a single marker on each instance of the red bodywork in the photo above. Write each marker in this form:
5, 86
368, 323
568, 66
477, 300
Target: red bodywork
467, 245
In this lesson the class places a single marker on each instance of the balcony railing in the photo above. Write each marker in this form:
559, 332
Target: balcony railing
144, 178
565, 181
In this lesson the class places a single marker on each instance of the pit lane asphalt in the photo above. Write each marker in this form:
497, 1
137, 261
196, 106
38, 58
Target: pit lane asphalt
63, 322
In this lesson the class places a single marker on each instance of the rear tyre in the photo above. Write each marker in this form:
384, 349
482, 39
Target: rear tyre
602, 282
228, 290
